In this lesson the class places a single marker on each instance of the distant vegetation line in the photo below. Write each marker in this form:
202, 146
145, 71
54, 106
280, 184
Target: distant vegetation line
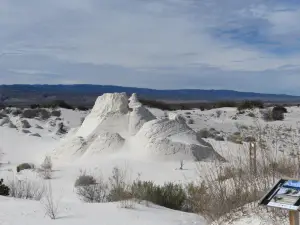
163, 105
87, 94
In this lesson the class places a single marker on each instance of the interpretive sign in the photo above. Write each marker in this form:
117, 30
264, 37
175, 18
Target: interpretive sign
285, 194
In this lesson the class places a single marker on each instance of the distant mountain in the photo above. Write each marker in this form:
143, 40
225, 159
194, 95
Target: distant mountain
86, 94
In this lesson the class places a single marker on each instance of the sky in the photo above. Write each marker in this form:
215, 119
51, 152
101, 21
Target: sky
244, 45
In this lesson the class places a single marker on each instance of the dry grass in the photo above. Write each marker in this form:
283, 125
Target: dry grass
50, 206
237, 187
26, 189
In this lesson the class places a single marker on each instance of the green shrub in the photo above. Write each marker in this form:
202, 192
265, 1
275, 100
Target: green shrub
267, 115
17, 112
85, 180
278, 112
118, 188
223, 104
204, 133
170, 195
25, 166
250, 105
58, 104
44, 114
4, 190
30, 113
56, 113
82, 108
35, 106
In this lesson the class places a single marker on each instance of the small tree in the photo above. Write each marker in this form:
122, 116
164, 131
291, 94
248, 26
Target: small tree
49, 204
47, 164
181, 165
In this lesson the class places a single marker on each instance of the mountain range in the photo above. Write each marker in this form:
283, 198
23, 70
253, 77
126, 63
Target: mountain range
85, 94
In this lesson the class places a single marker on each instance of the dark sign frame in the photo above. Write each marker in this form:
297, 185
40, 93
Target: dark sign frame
284, 194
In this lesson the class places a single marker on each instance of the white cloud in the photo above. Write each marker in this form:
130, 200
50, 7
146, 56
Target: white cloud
147, 34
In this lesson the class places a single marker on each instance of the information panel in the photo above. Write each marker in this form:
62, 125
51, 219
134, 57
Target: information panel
285, 194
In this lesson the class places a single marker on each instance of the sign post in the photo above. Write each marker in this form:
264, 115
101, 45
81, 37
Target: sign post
252, 156
294, 217
285, 194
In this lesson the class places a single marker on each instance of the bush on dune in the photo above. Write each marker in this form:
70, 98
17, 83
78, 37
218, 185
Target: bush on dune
4, 190
25, 166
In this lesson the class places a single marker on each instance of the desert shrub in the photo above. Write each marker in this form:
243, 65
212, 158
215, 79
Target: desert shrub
39, 127
204, 133
218, 113
11, 125
118, 188
267, 115
50, 206
249, 139
4, 190
250, 105
2, 115
223, 104
46, 174
35, 106
82, 108
25, 124
5, 121
30, 113
85, 180
58, 104
25, 166
235, 138
56, 113
47, 163
280, 108
17, 112
251, 114
93, 193
8, 110
89, 190
190, 121
278, 112
45, 170
170, 195
26, 189
219, 138
62, 129
44, 114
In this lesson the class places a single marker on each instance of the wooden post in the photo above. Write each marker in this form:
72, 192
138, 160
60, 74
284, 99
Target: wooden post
252, 156
294, 217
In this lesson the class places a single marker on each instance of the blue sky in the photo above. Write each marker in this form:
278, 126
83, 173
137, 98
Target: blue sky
245, 45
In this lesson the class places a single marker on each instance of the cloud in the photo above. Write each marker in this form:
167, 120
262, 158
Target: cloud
186, 43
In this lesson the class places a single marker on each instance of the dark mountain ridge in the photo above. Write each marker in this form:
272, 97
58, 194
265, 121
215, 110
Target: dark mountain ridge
85, 94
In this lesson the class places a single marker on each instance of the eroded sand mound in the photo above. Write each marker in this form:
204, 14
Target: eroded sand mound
118, 124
